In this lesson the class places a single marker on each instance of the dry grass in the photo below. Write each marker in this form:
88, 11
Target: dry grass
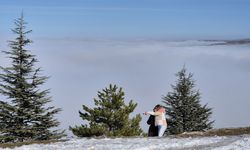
218, 132
13, 145
229, 131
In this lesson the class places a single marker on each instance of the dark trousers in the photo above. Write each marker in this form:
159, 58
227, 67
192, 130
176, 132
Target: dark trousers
153, 130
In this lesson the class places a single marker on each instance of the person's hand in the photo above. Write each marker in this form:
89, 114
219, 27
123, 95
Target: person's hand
145, 113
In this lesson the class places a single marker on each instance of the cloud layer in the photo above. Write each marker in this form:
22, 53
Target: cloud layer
145, 69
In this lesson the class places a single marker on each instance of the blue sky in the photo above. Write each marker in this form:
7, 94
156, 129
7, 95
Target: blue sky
84, 45
171, 19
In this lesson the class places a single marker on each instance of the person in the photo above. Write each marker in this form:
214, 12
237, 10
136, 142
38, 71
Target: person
152, 130
160, 119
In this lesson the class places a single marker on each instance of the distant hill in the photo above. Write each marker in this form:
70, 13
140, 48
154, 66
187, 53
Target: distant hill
230, 42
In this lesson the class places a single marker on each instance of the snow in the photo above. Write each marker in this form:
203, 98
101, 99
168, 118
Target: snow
165, 143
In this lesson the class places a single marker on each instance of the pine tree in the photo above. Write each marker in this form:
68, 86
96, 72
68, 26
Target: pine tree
184, 111
110, 117
25, 115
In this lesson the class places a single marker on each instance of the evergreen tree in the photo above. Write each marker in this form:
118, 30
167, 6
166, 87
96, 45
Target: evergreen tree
184, 111
110, 117
25, 116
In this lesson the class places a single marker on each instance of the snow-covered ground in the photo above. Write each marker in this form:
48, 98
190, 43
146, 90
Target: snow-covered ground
166, 143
